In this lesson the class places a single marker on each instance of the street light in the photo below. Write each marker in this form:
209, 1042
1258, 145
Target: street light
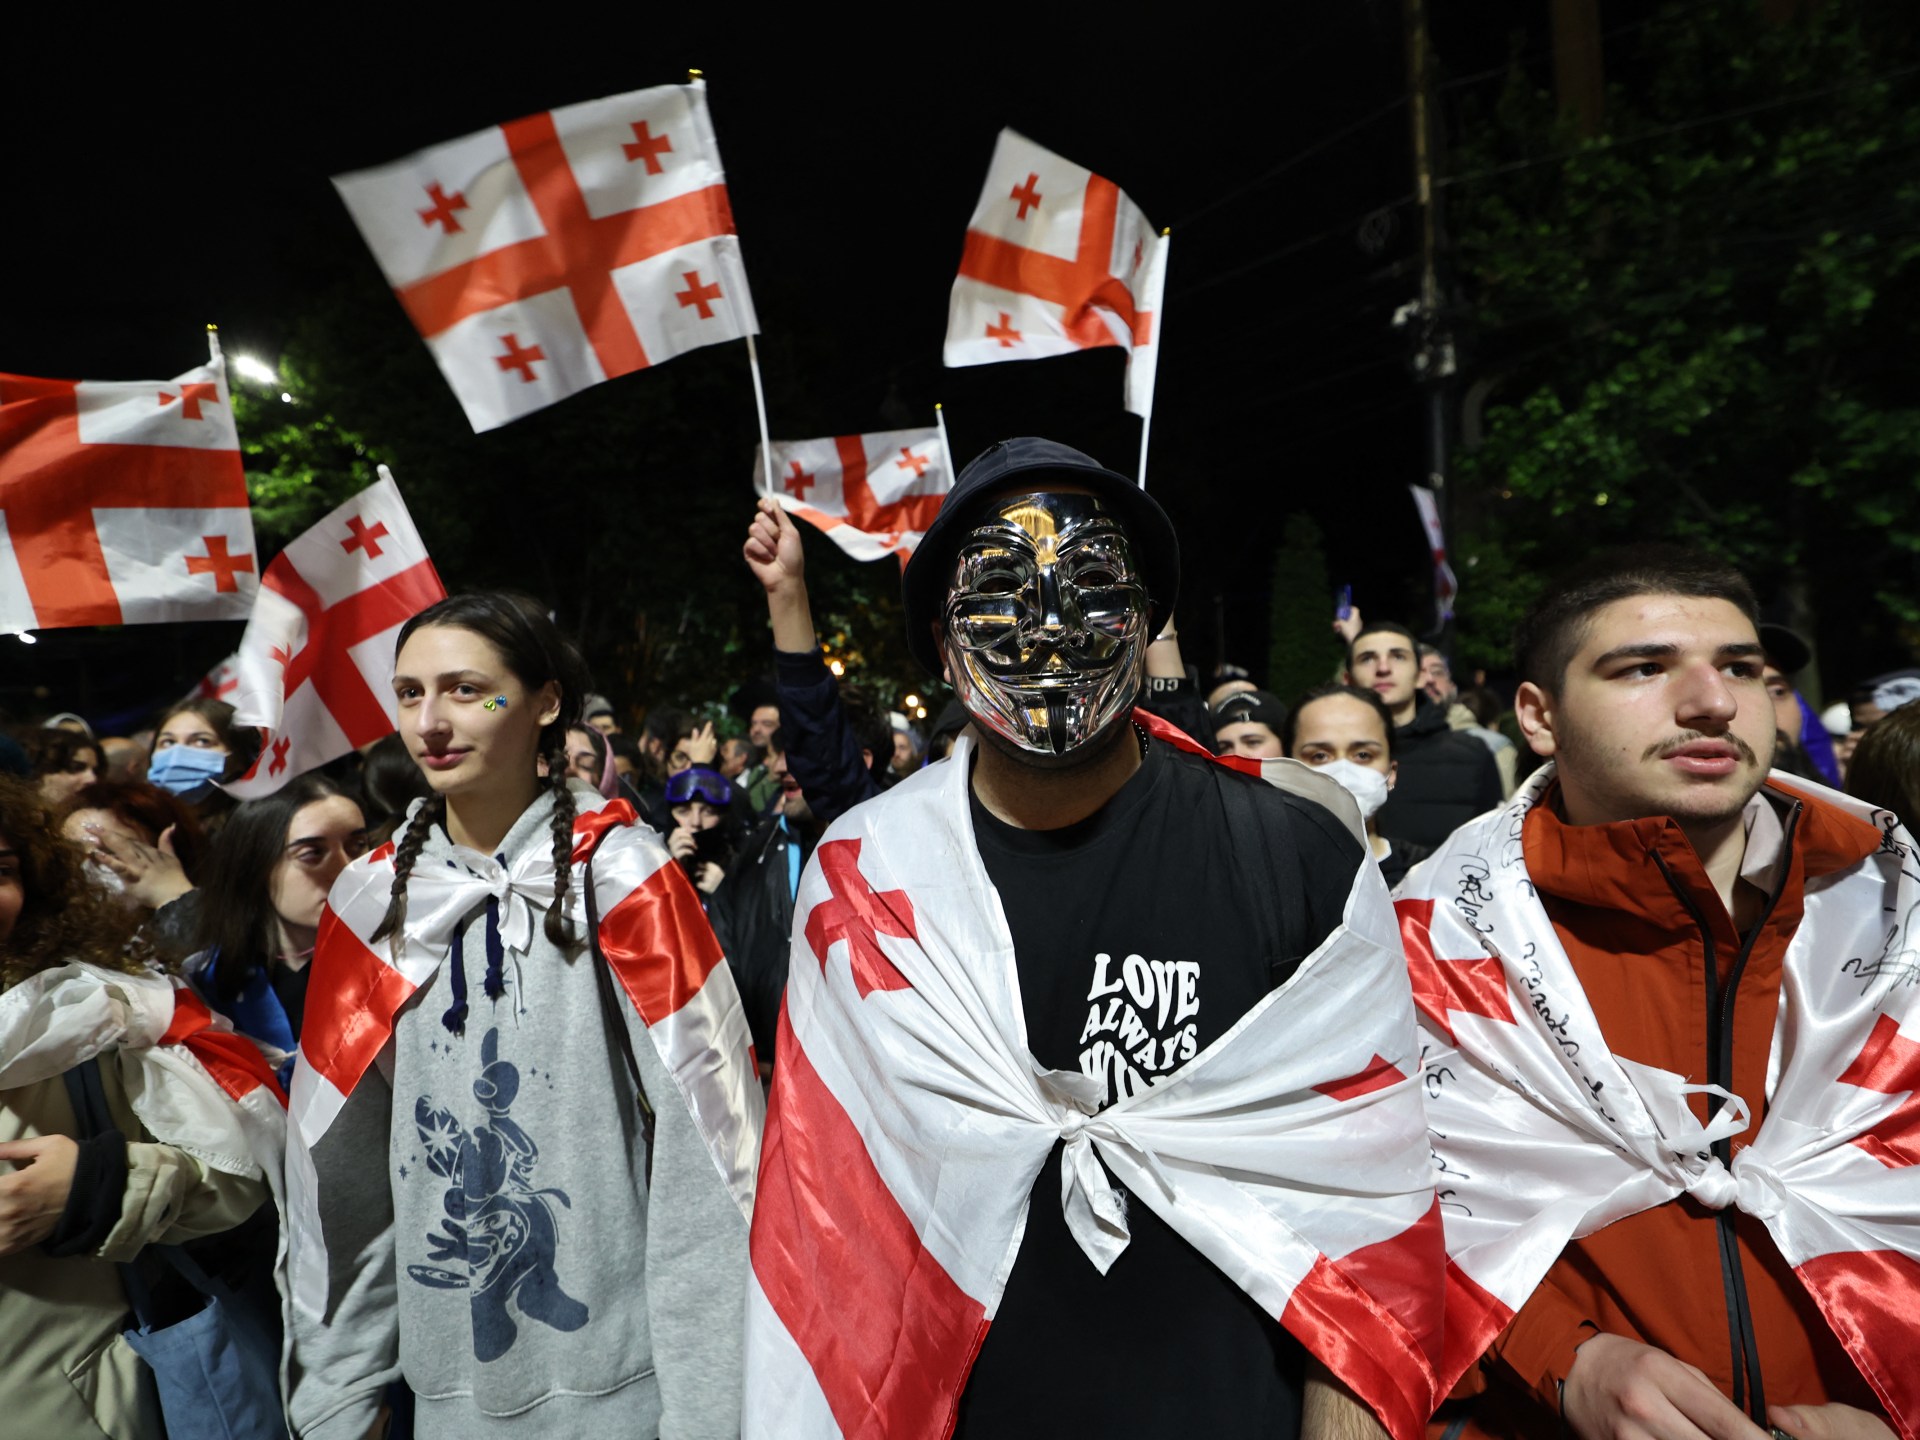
256, 369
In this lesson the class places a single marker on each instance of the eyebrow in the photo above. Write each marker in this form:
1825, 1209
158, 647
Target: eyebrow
1654, 651
445, 677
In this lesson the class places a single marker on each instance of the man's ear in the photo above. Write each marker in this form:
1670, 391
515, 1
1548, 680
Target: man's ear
1538, 714
1346, 676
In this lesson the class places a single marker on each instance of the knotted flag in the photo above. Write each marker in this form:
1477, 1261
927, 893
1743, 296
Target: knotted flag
909, 1121
874, 495
122, 502
1544, 1134
540, 257
1057, 259
316, 663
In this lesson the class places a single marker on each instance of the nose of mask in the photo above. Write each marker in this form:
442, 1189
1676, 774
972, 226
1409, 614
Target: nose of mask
182, 771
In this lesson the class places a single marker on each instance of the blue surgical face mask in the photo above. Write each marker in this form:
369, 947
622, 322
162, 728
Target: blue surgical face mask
184, 770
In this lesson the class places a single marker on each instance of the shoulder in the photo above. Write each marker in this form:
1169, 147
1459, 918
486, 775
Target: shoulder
1284, 815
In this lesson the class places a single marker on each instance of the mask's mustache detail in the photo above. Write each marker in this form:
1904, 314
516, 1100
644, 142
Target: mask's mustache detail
1678, 743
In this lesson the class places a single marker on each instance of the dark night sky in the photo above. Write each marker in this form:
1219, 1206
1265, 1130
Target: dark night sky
182, 177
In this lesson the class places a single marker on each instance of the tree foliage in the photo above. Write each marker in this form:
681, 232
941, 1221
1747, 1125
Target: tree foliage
1701, 324
1302, 654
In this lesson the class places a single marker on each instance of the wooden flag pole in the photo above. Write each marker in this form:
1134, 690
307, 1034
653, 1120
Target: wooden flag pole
213, 343
940, 419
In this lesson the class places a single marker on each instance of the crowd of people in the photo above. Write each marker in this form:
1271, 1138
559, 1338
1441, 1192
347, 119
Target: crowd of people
526, 971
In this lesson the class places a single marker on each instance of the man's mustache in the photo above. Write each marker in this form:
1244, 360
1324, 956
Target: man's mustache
1664, 748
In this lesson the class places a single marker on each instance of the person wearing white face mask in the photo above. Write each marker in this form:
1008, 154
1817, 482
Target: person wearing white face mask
1348, 733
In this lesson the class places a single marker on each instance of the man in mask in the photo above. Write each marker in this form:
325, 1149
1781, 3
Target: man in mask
996, 1067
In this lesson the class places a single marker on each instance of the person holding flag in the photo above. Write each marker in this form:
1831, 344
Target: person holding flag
533, 1206
1050, 1152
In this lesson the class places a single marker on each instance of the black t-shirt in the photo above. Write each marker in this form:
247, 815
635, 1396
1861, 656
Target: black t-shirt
1141, 935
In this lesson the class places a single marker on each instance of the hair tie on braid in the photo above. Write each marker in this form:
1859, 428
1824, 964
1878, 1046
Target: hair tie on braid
411, 842
559, 926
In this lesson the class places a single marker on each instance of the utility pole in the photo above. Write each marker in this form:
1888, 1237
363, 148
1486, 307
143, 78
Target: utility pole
1433, 354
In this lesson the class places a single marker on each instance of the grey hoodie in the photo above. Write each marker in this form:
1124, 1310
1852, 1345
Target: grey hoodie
492, 1236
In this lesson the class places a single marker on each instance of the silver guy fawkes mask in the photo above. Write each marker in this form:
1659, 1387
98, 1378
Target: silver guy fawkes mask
1046, 622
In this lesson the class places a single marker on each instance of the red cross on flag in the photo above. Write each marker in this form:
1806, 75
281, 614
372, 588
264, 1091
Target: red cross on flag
545, 255
874, 495
1057, 259
122, 503
316, 663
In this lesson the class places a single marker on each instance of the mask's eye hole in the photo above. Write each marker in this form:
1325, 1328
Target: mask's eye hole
996, 582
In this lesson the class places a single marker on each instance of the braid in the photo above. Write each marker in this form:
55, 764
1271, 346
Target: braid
559, 927
411, 842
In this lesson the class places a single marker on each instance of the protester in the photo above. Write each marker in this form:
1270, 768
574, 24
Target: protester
1445, 778
699, 799
125, 759
736, 757
1436, 676
260, 905
1250, 722
143, 845
596, 711
195, 745
752, 909
63, 762
1634, 1164
977, 1017
155, 1152
1885, 769
517, 1209
1347, 734
908, 747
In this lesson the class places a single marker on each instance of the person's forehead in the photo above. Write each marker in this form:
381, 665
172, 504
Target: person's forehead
766, 712
1337, 720
1686, 622
1381, 640
185, 720
329, 812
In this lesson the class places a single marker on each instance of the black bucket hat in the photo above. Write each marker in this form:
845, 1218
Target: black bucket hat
1028, 464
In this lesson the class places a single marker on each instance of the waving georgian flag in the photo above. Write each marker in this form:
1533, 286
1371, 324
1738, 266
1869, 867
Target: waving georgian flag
540, 257
122, 503
874, 495
316, 663
1057, 259
909, 1121
1445, 587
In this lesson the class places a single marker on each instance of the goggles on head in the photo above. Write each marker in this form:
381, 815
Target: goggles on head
699, 782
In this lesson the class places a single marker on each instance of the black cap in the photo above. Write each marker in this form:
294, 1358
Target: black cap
1785, 648
1029, 464
1255, 705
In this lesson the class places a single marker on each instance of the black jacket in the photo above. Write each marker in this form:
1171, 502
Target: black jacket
1446, 778
823, 753
752, 915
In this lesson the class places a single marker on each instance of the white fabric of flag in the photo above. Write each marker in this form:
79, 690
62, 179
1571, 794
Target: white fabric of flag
1544, 1135
316, 663
1446, 589
1057, 259
540, 257
873, 495
909, 1121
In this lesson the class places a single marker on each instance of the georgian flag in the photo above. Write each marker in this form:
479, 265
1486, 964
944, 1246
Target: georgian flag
540, 257
874, 495
122, 502
908, 1123
653, 935
1446, 589
1057, 259
315, 666
1521, 1111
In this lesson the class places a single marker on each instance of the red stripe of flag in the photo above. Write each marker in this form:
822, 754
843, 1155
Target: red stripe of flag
1077, 285
351, 1001
659, 944
234, 1061
1339, 1311
888, 1334
1865, 1295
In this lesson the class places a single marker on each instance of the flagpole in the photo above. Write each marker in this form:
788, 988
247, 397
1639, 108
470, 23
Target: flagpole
946, 449
214, 355
1159, 321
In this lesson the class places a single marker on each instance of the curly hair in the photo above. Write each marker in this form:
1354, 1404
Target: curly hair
62, 918
149, 809
55, 751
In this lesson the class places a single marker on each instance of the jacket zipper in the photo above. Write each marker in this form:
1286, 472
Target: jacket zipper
1720, 1007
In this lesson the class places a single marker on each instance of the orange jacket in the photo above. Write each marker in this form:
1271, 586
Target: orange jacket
1655, 948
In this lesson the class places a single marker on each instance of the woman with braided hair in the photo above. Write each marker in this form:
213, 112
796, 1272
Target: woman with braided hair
526, 1120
